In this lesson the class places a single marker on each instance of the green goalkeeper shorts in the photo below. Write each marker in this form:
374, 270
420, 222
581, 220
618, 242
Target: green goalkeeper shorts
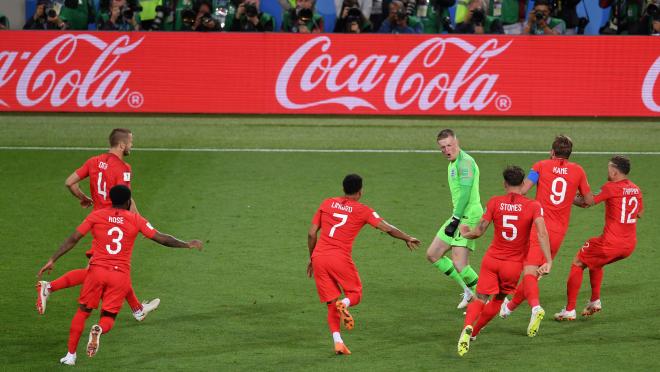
458, 240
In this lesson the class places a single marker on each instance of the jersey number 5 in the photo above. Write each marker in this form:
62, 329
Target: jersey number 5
505, 223
117, 241
343, 217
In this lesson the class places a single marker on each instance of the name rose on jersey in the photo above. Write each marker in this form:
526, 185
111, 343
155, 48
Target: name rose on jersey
418, 78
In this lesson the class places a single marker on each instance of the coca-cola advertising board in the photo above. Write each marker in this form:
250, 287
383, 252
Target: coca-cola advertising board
330, 74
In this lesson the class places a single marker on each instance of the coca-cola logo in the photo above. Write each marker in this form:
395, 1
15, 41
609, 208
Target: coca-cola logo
101, 85
648, 87
427, 86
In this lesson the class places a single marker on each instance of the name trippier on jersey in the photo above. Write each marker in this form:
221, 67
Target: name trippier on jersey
630, 191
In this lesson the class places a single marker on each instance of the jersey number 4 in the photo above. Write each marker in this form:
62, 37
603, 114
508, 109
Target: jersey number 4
101, 191
117, 241
343, 218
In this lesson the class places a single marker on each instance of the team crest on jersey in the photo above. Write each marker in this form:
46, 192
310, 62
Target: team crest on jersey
127, 176
452, 174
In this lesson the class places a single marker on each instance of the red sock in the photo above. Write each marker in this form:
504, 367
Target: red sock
473, 311
518, 297
106, 323
490, 310
333, 317
531, 283
77, 326
133, 301
70, 279
573, 286
596, 279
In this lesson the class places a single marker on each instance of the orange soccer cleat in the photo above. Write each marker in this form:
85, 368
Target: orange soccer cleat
346, 317
341, 349
94, 340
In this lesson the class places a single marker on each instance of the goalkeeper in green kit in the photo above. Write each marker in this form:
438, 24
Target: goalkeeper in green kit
463, 175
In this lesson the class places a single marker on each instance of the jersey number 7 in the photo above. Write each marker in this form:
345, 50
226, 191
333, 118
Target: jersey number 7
343, 218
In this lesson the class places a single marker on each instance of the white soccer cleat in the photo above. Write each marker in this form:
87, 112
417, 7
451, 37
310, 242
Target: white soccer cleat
94, 340
592, 308
565, 315
535, 321
42, 295
147, 307
467, 297
69, 359
504, 309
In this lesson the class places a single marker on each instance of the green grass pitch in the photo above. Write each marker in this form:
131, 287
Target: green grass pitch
244, 303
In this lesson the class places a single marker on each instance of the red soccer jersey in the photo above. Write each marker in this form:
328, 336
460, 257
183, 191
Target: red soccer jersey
340, 220
513, 216
558, 182
623, 203
105, 171
114, 232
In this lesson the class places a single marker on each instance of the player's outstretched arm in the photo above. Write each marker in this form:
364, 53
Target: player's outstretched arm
312, 237
542, 233
394, 232
68, 244
478, 230
584, 201
134, 206
71, 183
527, 185
172, 242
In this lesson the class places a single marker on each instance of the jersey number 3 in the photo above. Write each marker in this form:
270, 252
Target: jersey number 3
117, 241
343, 218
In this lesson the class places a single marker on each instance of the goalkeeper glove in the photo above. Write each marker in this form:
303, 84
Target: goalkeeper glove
450, 230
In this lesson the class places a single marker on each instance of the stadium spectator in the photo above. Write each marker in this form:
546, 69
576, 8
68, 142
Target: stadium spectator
399, 22
539, 21
511, 14
204, 21
77, 13
567, 12
303, 18
634, 17
435, 17
477, 21
365, 7
119, 15
4, 22
352, 19
250, 18
45, 18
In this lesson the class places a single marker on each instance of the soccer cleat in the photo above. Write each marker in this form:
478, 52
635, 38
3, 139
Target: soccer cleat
94, 340
42, 296
535, 322
504, 309
464, 340
345, 317
565, 315
592, 308
341, 349
69, 359
467, 297
147, 307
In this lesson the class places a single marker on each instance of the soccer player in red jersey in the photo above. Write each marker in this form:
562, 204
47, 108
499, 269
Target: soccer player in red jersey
104, 172
340, 219
558, 181
623, 206
514, 217
108, 278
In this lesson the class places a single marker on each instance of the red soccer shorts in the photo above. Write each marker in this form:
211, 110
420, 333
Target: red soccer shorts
535, 254
498, 276
107, 285
334, 274
597, 252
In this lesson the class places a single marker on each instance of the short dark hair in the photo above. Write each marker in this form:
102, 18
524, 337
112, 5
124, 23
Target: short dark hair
562, 146
446, 133
513, 175
543, 2
120, 194
621, 163
118, 135
352, 184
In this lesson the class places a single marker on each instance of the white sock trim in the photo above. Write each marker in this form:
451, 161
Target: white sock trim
346, 301
337, 337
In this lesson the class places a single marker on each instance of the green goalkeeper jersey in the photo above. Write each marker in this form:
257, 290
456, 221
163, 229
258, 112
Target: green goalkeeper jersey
463, 175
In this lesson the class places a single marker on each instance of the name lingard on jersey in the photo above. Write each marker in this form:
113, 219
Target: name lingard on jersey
344, 208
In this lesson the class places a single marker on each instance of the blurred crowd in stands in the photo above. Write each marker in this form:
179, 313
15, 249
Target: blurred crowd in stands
542, 17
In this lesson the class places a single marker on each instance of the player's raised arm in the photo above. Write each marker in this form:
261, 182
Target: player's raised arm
68, 244
544, 241
172, 242
71, 184
394, 232
476, 232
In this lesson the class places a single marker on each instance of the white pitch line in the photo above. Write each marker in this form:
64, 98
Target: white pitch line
377, 151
